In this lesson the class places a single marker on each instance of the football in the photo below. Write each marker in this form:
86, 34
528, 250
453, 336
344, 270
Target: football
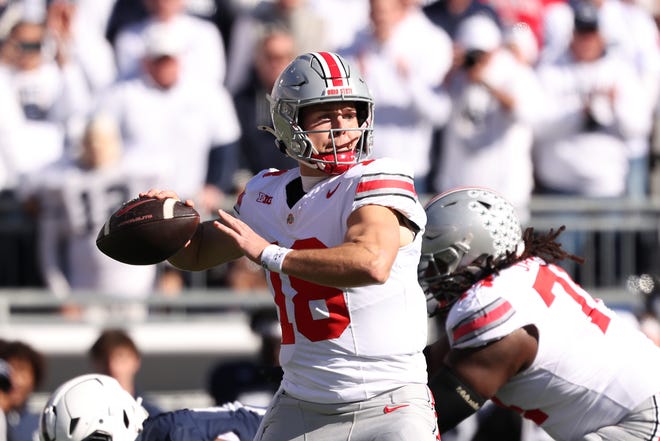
145, 231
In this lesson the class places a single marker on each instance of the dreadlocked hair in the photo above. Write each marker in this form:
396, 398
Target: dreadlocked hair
546, 246
543, 245
479, 269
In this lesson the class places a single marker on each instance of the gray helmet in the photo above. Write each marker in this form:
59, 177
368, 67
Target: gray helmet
463, 226
315, 78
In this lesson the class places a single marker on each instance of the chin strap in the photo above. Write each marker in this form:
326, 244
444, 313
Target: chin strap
345, 160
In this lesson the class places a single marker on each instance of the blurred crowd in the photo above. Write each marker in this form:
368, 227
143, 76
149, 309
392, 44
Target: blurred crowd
24, 372
100, 99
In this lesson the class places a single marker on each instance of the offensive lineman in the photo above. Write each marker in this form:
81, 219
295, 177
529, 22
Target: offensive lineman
340, 239
522, 333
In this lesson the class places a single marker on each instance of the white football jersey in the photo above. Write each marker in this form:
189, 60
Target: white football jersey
592, 367
342, 345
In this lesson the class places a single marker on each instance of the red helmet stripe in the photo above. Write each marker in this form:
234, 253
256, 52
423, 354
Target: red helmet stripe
334, 67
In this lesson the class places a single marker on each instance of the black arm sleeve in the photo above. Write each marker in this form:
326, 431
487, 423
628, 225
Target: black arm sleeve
454, 400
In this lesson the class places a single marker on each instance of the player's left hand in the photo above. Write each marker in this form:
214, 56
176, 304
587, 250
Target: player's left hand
245, 238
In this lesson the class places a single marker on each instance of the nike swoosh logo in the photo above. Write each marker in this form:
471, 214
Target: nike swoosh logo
130, 206
331, 192
388, 408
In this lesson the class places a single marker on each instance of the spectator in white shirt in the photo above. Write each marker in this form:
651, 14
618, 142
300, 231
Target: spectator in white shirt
189, 130
594, 104
496, 102
628, 31
203, 49
80, 38
11, 125
404, 58
51, 90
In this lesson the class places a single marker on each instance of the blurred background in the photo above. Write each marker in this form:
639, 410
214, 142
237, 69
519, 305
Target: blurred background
553, 103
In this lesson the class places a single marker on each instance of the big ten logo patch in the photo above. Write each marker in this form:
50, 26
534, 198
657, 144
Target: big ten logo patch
264, 198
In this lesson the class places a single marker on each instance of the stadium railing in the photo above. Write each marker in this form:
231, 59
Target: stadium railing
618, 238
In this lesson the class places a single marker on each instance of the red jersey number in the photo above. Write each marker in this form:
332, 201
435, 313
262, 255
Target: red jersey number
307, 293
546, 281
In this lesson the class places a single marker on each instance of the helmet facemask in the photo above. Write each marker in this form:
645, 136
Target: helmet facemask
332, 162
442, 276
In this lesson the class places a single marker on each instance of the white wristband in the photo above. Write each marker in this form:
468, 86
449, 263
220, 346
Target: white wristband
272, 257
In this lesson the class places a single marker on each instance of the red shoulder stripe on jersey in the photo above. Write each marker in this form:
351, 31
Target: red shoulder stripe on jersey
385, 184
483, 320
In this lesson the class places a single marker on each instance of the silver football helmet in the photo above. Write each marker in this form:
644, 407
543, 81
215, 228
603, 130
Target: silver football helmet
91, 407
315, 78
464, 227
